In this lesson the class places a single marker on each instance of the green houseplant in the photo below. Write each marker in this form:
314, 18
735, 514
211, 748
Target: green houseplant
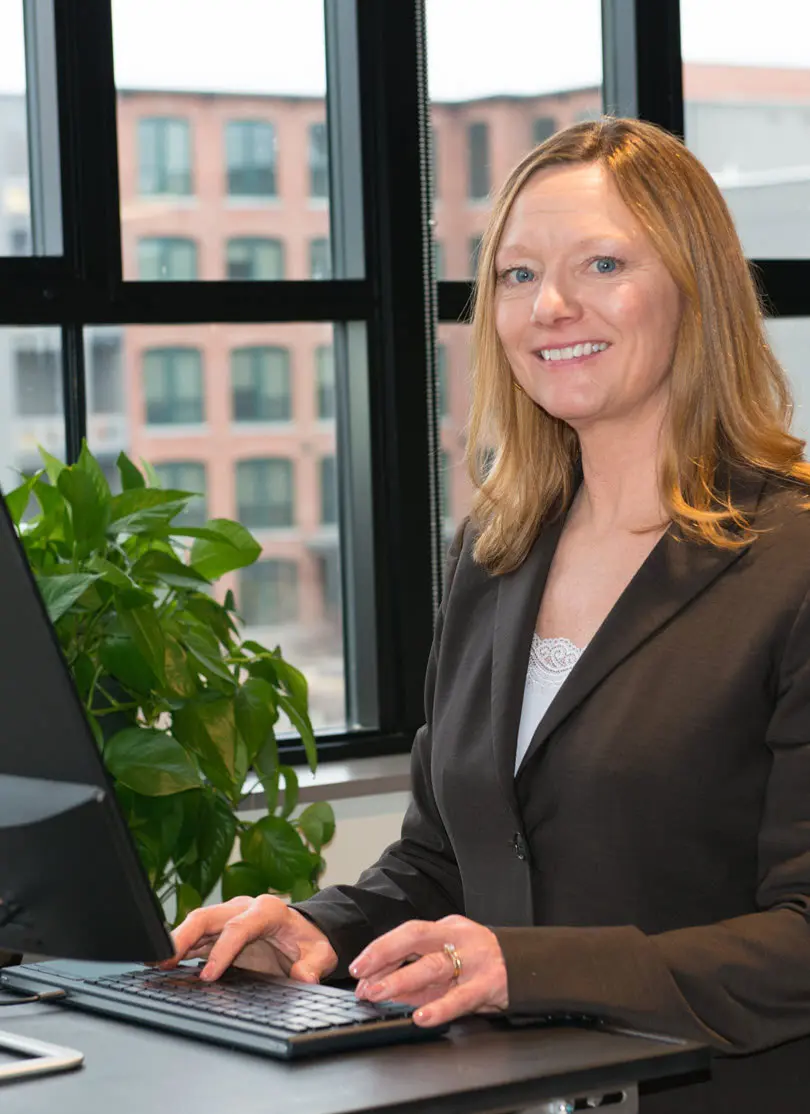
181, 707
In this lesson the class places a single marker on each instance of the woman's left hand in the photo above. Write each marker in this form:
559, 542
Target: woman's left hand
410, 964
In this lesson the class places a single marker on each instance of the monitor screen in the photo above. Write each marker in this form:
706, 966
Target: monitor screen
71, 883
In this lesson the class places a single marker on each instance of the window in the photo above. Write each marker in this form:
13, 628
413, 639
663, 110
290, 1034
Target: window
441, 380
329, 492
268, 592
320, 259
255, 258
438, 260
543, 127
434, 162
166, 259
318, 161
444, 483
105, 375
265, 493
250, 147
164, 154
186, 475
260, 385
325, 381
39, 381
173, 386
478, 161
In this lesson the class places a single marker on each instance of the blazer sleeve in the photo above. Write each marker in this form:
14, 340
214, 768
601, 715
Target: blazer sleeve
740, 985
416, 877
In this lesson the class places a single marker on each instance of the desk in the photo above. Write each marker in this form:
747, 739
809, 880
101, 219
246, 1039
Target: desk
477, 1068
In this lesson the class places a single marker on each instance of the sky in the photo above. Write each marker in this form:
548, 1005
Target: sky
475, 47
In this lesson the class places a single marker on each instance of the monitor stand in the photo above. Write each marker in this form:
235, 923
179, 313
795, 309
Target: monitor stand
37, 1058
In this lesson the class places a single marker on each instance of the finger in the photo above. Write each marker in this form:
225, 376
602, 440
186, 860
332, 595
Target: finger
457, 1002
394, 947
236, 934
202, 925
434, 968
317, 958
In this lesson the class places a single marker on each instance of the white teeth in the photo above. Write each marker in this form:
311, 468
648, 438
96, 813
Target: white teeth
572, 352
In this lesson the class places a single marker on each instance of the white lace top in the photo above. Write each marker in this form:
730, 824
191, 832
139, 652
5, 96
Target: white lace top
550, 662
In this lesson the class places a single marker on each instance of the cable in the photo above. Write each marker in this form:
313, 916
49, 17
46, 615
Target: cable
45, 996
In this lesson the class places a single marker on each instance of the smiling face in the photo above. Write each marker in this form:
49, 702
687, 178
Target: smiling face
585, 309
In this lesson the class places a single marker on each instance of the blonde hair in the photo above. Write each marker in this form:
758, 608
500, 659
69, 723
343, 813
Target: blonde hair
729, 402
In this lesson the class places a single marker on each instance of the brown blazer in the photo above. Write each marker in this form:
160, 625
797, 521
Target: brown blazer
651, 860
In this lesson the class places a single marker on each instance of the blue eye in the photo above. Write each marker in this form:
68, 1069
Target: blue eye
606, 264
517, 276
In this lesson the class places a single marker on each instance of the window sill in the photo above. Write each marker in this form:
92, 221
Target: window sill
334, 781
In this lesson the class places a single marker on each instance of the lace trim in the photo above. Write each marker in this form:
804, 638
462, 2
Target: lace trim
551, 660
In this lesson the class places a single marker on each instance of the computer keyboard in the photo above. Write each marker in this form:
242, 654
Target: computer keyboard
294, 1006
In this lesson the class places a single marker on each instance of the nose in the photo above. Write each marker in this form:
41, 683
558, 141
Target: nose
556, 301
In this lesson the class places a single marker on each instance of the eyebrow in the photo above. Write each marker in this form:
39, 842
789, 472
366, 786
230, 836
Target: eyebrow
585, 242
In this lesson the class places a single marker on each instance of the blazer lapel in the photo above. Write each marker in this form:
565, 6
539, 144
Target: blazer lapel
674, 573
516, 609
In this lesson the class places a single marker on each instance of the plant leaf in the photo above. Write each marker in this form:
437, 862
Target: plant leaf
155, 565
277, 850
123, 660
290, 789
317, 823
53, 466
216, 832
88, 464
109, 572
242, 878
255, 714
235, 549
180, 677
143, 627
302, 889
209, 728
150, 762
204, 650
18, 499
187, 899
131, 477
59, 593
302, 725
265, 763
90, 512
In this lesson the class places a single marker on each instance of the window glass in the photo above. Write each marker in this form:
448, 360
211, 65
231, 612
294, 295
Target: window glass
441, 380
320, 259
260, 382
31, 411
747, 116
493, 96
223, 136
173, 386
254, 258
790, 340
250, 147
329, 492
166, 259
268, 593
186, 475
266, 475
453, 391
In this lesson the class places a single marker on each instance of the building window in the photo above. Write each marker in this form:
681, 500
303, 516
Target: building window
318, 161
438, 260
543, 127
444, 483
268, 593
105, 375
260, 384
320, 259
434, 162
39, 382
164, 155
255, 258
173, 384
329, 491
325, 381
265, 494
478, 161
250, 147
441, 380
475, 252
186, 475
167, 259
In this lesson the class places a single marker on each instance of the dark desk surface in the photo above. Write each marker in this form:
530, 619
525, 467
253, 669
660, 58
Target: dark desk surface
133, 1070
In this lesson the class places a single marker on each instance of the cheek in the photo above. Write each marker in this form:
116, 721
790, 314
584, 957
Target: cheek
510, 322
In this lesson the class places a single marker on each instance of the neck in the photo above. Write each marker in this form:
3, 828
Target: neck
620, 489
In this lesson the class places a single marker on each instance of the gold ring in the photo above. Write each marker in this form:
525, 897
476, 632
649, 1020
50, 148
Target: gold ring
457, 961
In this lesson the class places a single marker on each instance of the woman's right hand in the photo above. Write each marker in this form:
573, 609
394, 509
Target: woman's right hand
260, 933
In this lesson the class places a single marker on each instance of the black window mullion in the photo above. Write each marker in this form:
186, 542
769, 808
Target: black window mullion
641, 60
74, 391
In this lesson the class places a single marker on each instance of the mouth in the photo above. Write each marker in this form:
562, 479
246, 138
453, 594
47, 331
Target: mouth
572, 354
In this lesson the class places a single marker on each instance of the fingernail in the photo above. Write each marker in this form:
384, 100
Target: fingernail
207, 974
357, 968
378, 990
361, 988
422, 1017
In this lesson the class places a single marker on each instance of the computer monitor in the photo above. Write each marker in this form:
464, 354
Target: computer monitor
71, 883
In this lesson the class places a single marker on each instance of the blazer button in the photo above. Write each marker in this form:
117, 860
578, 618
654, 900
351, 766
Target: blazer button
520, 846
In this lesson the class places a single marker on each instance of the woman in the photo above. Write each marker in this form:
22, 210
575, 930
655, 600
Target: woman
614, 773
